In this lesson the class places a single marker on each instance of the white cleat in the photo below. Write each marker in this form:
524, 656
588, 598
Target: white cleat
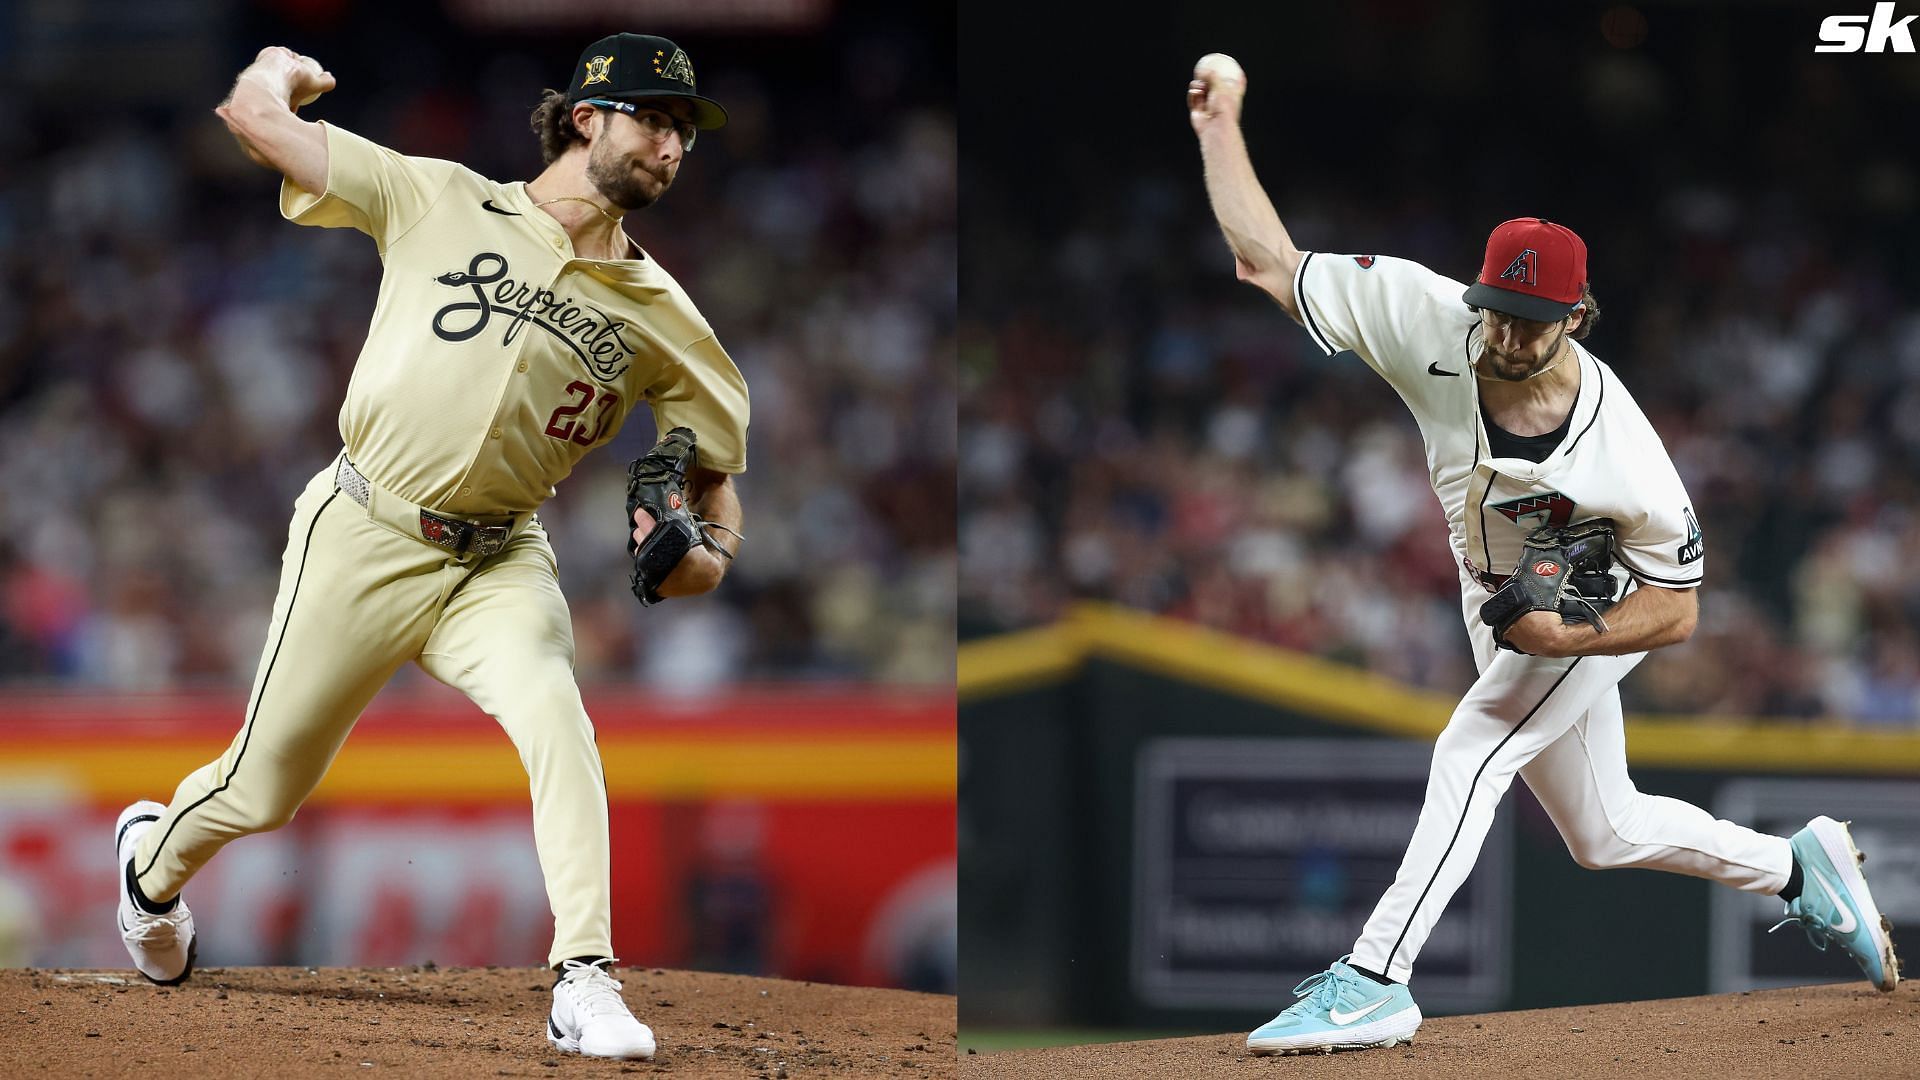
162, 946
590, 1018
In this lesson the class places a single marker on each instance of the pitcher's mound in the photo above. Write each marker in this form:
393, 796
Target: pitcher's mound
453, 1022
1848, 1029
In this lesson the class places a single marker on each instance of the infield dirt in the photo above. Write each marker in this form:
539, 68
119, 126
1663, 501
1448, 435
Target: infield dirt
1816, 1031
448, 1022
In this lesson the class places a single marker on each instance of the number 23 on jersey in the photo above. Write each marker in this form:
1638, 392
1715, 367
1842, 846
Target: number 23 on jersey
568, 424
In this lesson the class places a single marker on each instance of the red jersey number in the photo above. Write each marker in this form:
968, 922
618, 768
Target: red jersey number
567, 425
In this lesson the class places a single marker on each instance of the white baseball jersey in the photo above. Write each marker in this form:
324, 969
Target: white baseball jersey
1555, 721
1411, 325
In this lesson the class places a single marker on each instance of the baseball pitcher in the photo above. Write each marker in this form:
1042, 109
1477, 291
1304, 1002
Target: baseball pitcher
516, 328
1579, 552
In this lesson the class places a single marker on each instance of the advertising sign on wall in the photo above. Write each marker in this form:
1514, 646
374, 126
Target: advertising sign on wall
1258, 861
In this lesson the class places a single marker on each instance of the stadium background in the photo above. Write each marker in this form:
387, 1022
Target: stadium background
1161, 825
172, 357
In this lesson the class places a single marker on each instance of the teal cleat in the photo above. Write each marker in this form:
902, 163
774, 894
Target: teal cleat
1834, 906
1339, 1009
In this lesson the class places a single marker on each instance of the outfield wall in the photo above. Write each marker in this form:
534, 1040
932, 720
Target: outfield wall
1162, 825
806, 833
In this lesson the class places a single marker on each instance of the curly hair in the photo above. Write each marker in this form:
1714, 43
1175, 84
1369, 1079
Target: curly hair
1593, 313
553, 122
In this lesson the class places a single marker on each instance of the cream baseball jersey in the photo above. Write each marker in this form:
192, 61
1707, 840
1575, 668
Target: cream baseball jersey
1410, 325
496, 359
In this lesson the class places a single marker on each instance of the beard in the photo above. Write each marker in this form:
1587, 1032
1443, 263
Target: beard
616, 180
1508, 367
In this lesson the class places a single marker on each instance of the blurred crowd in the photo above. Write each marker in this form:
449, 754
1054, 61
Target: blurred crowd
1148, 431
173, 357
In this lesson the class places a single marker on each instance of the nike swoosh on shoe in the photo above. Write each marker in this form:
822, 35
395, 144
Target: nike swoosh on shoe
1846, 924
1341, 1019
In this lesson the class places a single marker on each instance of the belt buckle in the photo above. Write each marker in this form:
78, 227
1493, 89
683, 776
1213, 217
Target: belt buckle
489, 540
461, 537
452, 535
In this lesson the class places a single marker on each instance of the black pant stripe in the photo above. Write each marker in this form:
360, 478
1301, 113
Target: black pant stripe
1464, 804
246, 737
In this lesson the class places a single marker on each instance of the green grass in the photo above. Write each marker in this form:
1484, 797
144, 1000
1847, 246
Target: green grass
988, 1040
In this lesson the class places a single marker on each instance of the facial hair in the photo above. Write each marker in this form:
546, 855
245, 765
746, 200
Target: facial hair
615, 181
1495, 365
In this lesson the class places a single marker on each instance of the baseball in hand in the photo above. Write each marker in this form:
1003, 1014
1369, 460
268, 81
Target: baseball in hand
1219, 84
1221, 66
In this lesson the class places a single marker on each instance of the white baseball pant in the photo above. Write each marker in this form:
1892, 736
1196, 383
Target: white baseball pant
1556, 722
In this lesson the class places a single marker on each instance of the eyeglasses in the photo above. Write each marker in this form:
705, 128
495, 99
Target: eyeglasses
654, 123
1499, 319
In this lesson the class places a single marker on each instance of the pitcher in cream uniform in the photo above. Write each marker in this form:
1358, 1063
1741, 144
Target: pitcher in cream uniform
516, 328
1523, 427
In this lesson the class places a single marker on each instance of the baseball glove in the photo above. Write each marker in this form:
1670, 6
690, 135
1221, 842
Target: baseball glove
656, 483
1565, 568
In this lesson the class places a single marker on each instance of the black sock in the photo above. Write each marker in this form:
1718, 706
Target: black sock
1374, 975
1792, 891
560, 969
140, 899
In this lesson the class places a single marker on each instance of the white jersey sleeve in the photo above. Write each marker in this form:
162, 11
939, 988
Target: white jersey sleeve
1382, 308
1663, 545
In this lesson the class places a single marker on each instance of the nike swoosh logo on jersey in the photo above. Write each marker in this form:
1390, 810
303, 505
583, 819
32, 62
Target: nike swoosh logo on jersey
487, 205
1434, 369
1341, 1019
1846, 924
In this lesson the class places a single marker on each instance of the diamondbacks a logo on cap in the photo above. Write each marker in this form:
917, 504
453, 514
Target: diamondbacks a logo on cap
597, 70
1521, 268
676, 66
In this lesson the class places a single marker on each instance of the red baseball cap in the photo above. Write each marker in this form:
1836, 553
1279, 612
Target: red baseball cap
1534, 269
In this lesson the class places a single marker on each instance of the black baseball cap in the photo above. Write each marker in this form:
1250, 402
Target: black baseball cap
635, 67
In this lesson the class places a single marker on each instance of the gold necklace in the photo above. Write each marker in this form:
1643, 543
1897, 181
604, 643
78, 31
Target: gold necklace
589, 202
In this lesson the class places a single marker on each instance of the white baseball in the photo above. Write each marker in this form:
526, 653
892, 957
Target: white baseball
1221, 66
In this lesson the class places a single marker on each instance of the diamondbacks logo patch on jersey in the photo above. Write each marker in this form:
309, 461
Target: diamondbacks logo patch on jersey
676, 66
1522, 268
597, 70
1696, 544
1551, 508
1365, 261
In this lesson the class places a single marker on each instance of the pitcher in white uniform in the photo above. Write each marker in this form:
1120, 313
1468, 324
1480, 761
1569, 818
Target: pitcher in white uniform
1523, 427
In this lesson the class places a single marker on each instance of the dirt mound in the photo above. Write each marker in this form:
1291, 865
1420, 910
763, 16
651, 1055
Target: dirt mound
1843, 1030
465, 1022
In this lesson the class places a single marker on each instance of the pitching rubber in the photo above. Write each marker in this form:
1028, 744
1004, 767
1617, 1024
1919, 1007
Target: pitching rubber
1837, 841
